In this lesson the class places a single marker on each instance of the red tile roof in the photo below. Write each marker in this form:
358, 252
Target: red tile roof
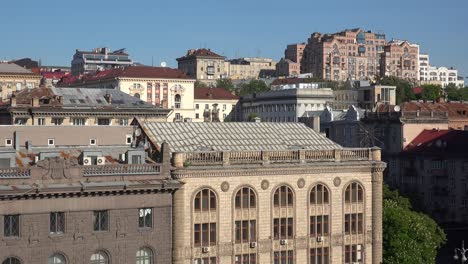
25, 96
193, 53
214, 94
452, 141
454, 109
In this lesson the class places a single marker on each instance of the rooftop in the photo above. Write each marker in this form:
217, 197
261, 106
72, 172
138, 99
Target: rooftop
195, 53
231, 136
11, 68
214, 94
454, 109
436, 141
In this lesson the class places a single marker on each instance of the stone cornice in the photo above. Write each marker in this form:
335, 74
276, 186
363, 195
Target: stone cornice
283, 169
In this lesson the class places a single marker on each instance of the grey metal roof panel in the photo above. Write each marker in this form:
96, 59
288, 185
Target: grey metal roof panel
184, 137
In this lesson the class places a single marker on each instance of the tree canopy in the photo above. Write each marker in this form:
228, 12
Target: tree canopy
430, 92
226, 84
200, 84
254, 86
456, 94
408, 236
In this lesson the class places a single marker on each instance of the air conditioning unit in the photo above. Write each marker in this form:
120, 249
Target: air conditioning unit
283, 242
320, 239
101, 160
205, 249
87, 161
253, 244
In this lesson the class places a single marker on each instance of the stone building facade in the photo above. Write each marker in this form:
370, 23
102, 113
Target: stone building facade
265, 203
400, 59
14, 78
204, 65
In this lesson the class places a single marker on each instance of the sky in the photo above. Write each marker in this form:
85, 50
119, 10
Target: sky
156, 31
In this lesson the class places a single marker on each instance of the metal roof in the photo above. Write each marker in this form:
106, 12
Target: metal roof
187, 137
13, 68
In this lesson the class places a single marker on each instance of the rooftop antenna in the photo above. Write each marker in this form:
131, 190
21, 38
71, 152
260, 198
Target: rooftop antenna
152, 61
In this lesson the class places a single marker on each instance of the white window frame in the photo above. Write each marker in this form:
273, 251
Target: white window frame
53, 142
127, 137
41, 121
91, 141
8, 144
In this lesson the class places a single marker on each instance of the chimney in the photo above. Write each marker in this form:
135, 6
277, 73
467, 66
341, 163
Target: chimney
13, 100
257, 119
316, 124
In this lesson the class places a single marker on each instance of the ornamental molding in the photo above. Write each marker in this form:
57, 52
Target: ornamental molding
208, 172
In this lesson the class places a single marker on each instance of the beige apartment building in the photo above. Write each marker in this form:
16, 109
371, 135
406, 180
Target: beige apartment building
251, 68
204, 65
15, 78
352, 54
214, 105
160, 86
270, 193
401, 59
73, 106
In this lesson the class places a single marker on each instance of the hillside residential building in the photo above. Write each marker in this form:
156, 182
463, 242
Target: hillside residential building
437, 75
160, 86
82, 195
400, 59
370, 96
98, 59
204, 65
287, 67
251, 68
270, 193
214, 105
285, 105
15, 78
77, 107
352, 54
294, 52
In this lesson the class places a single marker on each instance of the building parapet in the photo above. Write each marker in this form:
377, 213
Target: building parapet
14, 173
225, 158
405, 114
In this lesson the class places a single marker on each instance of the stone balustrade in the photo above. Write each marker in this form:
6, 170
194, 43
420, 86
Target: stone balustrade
209, 158
14, 173
121, 169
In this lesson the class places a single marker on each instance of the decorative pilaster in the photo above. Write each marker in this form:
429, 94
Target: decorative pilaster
377, 207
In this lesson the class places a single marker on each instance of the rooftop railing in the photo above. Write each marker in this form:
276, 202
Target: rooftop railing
406, 114
223, 158
121, 169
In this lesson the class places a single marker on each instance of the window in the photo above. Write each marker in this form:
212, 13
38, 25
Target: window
205, 200
245, 199
283, 197
207, 106
11, 225
319, 195
246, 231
103, 121
177, 116
99, 257
136, 159
319, 225
145, 218
207, 260
101, 221
246, 259
177, 101
204, 234
319, 256
41, 121
353, 254
92, 142
21, 121
354, 193
283, 257
78, 121
57, 121
354, 223
123, 122
128, 139
144, 256
18, 86
11, 260
57, 223
57, 259
197, 116
50, 142
283, 228
224, 107
137, 95
8, 142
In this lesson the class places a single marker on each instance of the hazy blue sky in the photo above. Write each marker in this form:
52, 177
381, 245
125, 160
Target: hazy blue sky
164, 30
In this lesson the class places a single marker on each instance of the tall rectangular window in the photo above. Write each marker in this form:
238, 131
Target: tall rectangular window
319, 225
145, 218
283, 257
204, 234
57, 223
78, 121
41, 121
101, 220
57, 121
11, 225
319, 256
354, 224
283, 228
103, 121
245, 231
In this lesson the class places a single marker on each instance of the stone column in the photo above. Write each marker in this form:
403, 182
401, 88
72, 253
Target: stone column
377, 205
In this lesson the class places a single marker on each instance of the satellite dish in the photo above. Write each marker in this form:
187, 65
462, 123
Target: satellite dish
138, 132
397, 108
163, 64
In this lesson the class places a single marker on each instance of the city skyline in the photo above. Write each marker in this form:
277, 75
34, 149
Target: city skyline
156, 32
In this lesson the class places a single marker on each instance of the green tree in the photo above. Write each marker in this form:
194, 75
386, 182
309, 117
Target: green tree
226, 84
200, 84
431, 92
254, 86
404, 92
408, 236
453, 93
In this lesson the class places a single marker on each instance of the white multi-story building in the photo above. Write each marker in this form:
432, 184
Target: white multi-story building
437, 75
98, 59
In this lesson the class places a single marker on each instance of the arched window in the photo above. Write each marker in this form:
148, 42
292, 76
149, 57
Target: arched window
137, 95
245, 199
319, 195
354, 193
11, 260
144, 256
100, 257
205, 200
57, 259
283, 197
177, 100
